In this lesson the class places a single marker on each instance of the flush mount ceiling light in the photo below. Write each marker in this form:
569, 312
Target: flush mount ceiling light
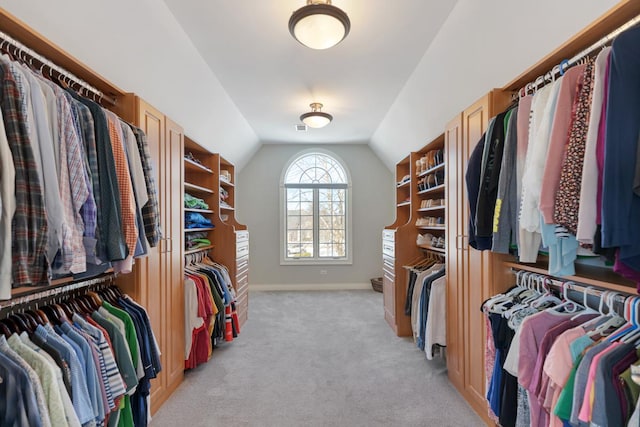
319, 24
316, 118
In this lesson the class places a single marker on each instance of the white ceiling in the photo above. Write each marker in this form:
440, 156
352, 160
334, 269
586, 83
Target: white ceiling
272, 79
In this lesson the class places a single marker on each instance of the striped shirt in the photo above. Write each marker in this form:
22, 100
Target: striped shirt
150, 211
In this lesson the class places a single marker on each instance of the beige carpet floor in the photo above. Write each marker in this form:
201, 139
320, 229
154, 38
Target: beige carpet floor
317, 359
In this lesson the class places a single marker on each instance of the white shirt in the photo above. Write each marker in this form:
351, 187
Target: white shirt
589, 189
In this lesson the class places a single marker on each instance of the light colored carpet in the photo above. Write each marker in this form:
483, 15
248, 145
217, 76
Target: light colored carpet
317, 359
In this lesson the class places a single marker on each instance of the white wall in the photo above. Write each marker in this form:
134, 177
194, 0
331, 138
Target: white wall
139, 46
481, 46
257, 203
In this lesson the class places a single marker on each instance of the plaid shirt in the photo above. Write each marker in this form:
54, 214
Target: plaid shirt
88, 209
150, 211
29, 230
111, 246
73, 189
127, 203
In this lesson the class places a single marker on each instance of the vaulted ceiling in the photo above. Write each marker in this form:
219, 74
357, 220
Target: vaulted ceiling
272, 78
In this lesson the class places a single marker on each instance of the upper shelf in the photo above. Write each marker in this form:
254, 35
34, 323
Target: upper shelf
197, 188
226, 183
190, 165
437, 189
432, 170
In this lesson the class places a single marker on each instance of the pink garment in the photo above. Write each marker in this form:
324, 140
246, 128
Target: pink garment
600, 147
562, 120
585, 409
557, 368
533, 329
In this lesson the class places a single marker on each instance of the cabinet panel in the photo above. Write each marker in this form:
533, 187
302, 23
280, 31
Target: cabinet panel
174, 303
475, 266
389, 298
455, 228
151, 121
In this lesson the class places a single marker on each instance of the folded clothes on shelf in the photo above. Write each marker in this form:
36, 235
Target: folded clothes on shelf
196, 220
192, 202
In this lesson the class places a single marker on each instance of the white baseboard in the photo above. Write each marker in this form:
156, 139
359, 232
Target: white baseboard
310, 287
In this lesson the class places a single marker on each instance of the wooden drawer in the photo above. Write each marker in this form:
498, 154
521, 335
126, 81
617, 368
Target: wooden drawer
389, 235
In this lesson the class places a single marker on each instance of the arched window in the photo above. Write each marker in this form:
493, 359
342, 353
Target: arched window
316, 220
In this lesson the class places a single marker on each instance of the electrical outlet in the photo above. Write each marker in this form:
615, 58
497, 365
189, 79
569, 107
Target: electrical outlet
323, 272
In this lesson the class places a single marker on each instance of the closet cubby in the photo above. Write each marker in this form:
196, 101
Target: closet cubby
199, 182
429, 206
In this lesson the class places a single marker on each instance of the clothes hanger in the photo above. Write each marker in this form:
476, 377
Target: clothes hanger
567, 304
630, 315
614, 321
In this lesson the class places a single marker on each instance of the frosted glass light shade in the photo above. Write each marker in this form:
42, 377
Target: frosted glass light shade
316, 118
319, 26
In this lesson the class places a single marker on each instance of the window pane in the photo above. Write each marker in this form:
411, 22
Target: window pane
338, 222
293, 251
306, 195
293, 236
339, 250
293, 208
307, 251
325, 222
306, 208
325, 250
324, 208
324, 194
306, 222
338, 208
325, 237
307, 236
293, 222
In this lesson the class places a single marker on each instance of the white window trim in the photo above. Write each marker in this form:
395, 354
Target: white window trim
348, 260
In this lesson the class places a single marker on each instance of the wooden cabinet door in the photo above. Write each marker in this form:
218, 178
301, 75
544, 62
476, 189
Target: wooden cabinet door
152, 273
476, 267
455, 230
172, 258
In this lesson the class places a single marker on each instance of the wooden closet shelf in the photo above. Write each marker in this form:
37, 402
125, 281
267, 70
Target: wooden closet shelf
193, 187
433, 248
438, 189
432, 170
191, 230
226, 183
227, 208
207, 211
432, 227
586, 274
193, 251
433, 208
28, 290
195, 166
403, 184
404, 204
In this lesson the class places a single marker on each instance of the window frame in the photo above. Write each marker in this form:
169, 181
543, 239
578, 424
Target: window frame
316, 260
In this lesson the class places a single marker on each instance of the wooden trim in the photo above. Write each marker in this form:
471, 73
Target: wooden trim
610, 21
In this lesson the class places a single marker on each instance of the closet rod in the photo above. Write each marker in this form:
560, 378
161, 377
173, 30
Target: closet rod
552, 74
55, 291
619, 297
6, 40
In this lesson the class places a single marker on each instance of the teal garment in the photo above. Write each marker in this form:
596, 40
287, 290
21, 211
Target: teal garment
579, 345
